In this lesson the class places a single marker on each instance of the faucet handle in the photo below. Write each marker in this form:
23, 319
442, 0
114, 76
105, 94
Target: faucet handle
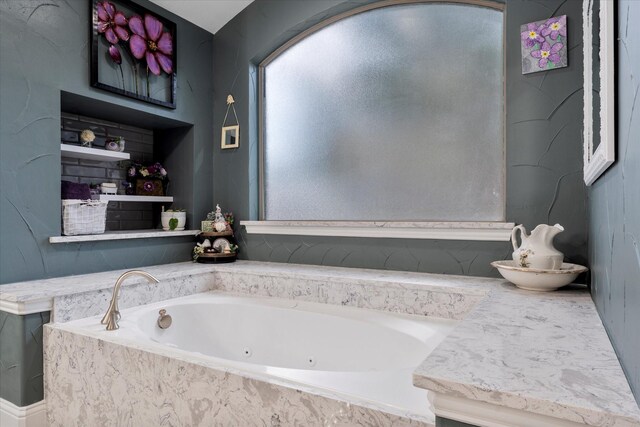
164, 320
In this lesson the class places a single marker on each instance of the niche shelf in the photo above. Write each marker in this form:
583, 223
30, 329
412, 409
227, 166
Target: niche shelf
123, 235
78, 152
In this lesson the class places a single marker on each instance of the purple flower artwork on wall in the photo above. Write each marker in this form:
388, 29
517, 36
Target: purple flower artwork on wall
544, 44
132, 52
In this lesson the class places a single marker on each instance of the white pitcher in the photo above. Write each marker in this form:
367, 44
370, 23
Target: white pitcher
536, 249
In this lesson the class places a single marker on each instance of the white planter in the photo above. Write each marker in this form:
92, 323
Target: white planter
180, 216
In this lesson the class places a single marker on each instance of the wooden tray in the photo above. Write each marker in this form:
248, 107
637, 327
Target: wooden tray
217, 257
216, 234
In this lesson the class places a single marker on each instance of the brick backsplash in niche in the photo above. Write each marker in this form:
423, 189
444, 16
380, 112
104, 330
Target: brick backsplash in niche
139, 144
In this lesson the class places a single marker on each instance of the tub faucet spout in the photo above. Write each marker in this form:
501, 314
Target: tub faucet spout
112, 316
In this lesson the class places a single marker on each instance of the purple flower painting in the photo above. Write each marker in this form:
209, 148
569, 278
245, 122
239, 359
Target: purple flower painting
151, 43
544, 44
111, 22
133, 52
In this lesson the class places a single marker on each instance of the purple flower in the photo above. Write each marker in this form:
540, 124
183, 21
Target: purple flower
148, 186
149, 41
152, 169
555, 26
532, 35
547, 53
111, 23
114, 52
132, 171
163, 172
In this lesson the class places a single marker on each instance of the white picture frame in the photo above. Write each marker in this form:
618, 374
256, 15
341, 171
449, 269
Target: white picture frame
597, 161
230, 137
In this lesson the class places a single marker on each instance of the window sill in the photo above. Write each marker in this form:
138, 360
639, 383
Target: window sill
483, 231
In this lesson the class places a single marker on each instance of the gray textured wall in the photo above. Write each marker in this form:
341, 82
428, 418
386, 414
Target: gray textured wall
614, 209
44, 49
21, 357
544, 148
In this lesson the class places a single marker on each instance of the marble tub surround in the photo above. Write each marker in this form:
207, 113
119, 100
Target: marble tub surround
450, 297
545, 354
541, 354
140, 387
86, 304
74, 297
20, 294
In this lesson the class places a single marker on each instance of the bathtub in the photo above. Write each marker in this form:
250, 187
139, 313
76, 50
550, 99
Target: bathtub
358, 355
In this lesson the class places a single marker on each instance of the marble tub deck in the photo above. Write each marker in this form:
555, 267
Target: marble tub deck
544, 353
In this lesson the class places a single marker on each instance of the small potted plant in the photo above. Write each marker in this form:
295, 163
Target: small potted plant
147, 180
173, 219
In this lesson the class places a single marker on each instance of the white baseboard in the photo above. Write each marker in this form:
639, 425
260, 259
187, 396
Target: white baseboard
34, 415
484, 414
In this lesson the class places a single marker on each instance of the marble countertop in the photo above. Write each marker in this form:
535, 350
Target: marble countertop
546, 353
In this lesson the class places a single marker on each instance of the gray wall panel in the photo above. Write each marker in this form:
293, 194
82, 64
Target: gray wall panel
21, 357
614, 209
543, 130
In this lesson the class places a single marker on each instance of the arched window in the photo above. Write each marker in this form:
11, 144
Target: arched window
394, 113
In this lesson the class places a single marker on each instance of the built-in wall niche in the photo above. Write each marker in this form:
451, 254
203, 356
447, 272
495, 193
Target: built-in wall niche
90, 167
148, 138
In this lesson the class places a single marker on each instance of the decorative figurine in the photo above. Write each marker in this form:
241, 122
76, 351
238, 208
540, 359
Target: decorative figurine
219, 222
115, 144
87, 137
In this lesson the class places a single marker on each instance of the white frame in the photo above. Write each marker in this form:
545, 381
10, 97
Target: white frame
595, 163
225, 129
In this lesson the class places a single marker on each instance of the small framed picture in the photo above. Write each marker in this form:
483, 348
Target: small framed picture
230, 137
544, 44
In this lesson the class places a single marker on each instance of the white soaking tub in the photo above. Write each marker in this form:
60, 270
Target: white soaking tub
362, 356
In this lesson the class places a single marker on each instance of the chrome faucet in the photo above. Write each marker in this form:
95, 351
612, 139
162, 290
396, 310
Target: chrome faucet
112, 315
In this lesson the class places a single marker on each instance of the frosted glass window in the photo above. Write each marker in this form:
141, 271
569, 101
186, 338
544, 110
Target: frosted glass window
391, 114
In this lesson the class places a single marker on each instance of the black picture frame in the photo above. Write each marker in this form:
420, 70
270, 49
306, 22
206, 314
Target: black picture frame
100, 61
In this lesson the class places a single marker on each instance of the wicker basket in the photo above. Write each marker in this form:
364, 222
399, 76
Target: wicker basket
83, 217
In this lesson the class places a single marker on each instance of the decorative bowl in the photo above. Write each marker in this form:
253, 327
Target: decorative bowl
533, 279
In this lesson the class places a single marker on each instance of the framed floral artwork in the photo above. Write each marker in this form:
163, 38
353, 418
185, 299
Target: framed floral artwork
133, 52
544, 44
